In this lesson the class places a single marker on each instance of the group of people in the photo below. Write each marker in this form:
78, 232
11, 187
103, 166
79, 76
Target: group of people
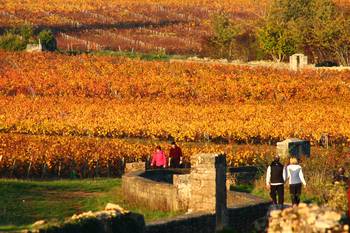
159, 159
277, 175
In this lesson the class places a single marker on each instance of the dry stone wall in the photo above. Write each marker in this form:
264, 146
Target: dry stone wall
306, 219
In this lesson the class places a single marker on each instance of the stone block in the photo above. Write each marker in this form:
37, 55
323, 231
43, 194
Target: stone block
136, 166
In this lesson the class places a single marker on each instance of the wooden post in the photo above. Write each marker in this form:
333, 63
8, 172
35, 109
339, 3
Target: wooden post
30, 165
13, 168
221, 193
59, 169
43, 173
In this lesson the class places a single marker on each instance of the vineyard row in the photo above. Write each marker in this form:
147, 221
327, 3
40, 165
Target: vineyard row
183, 121
46, 156
119, 78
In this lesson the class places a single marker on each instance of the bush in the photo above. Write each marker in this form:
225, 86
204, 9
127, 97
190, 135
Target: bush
327, 64
12, 42
336, 197
48, 40
16, 39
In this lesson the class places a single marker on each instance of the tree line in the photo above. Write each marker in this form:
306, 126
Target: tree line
317, 28
17, 38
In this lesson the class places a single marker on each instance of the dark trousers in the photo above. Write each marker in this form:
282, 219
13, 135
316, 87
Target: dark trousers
295, 192
277, 190
174, 163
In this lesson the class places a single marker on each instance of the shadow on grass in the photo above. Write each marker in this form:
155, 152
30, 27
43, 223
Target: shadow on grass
243, 188
24, 202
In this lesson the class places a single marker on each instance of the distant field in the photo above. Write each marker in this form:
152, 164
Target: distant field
173, 27
166, 26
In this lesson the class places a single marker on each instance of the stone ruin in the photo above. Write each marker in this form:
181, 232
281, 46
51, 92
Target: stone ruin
203, 189
297, 61
305, 218
293, 147
34, 47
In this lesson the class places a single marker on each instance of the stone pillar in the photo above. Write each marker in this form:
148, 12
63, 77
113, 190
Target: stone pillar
221, 193
208, 186
203, 183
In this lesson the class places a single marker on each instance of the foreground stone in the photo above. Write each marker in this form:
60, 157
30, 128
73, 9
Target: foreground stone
113, 219
305, 219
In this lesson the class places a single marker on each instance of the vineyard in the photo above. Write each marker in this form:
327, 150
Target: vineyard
144, 26
52, 156
167, 26
88, 114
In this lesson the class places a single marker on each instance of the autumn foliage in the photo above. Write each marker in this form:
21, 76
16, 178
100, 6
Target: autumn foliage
64, 113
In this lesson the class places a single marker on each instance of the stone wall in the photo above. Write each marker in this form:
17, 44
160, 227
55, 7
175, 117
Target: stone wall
304, 218
240, 220
113, 219
154, 195
133, 167
172, 190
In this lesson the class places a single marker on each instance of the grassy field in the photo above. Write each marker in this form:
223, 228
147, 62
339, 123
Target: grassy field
24, 202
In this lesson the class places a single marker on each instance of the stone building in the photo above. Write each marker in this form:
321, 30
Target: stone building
293, 147
297, 61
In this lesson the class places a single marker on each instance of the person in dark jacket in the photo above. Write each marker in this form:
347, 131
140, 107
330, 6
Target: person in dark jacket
275, 179
175, 155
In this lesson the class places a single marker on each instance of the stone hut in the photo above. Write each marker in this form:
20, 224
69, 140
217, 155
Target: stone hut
297, 61
293, 147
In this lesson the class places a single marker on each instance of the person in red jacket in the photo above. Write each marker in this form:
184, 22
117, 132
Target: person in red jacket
158, 158
175, 155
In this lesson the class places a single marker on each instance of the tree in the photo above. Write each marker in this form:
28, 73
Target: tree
277, 40
223, 39
314, 27
48, 40
341, 45
16, 39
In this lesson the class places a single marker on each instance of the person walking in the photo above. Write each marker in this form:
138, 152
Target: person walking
275, 179
175, 155
158, 158
296, 179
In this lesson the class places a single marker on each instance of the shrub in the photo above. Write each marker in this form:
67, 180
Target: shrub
48, 40
327, 64
12, 42
336, 197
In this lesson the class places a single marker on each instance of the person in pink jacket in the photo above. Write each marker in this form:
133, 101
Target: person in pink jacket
158, 158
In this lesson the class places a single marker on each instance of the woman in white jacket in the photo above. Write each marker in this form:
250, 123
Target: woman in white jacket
296, 179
